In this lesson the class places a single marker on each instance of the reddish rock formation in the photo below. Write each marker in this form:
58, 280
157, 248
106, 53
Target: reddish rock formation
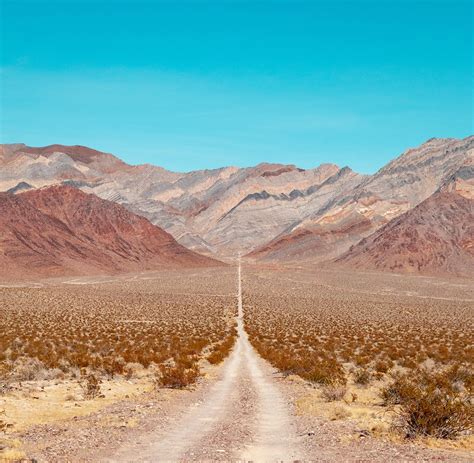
62, 230
437, 236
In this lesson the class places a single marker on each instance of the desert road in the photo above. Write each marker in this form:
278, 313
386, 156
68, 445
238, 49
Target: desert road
243, 417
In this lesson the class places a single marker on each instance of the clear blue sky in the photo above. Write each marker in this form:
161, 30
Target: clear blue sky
202, 84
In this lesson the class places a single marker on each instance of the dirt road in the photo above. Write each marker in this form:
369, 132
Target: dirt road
244, 416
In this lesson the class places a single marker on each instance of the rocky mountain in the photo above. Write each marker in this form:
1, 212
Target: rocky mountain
437, 236
270, 211
220, 211
61, 230
350, 216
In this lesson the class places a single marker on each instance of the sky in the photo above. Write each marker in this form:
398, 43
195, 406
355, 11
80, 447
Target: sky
203, 84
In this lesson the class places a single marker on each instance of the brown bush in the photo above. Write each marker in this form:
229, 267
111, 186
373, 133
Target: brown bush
104, 328
90, 385
311, 330
429, 405
382, 366
333, 391
324, 372
176, 376
221, 350
27, 369
362, 376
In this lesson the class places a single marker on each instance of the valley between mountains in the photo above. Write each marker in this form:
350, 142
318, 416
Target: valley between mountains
267, 313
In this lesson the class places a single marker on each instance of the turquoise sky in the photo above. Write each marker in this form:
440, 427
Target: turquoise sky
201, 84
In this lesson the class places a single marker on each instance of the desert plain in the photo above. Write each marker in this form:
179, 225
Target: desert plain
235, 362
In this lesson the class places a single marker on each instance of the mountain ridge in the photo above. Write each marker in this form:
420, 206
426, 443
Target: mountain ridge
269, 211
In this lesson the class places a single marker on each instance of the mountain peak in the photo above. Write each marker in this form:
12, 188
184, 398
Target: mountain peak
76, 152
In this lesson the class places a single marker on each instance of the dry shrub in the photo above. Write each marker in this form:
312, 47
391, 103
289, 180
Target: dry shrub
362, 376
398, 388
176, 376
27, 369
221, 350
460, 375
429, 404
5, 369
382, 366
132, 370
3, 424
304, 364
339, 412
333, 391
302, 327
114, 365
216, 356
327, 372
106, 329
90, 385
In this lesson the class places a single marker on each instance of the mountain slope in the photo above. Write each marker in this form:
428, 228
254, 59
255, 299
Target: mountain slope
219, 211
398, 187
273, 211
61, 230
437, 236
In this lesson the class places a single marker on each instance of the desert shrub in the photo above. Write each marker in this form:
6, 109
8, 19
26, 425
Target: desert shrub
5, 369
295, 323
114, 365
382, 366
429, 405
90, 385
216, 356
324, 372
333, 391
362, 376
460, 374
339, 412
107, 328
176, 376
221, 350
27, 369
132, 370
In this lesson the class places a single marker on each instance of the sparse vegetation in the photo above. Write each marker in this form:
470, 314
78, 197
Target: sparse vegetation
333, 391
221, 350
408, 359
362, 376
417, 351
107, 330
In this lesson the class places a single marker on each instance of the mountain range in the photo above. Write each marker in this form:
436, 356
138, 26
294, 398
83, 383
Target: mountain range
275, 212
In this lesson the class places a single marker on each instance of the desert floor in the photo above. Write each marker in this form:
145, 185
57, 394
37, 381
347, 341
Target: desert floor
240, 409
